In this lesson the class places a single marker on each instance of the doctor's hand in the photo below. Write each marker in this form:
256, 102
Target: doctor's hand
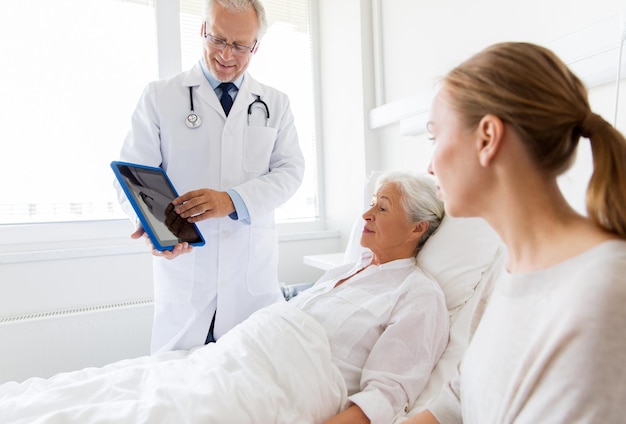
139, 231
198, 205
178, 250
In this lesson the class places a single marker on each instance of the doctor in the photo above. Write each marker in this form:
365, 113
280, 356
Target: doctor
234, 163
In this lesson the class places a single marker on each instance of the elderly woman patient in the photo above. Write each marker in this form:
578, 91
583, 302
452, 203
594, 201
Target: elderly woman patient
386, 320
358, 346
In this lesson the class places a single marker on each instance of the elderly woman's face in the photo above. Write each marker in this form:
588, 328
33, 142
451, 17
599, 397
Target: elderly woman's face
387, 231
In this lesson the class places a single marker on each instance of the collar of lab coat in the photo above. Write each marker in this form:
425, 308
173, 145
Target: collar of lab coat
247, 92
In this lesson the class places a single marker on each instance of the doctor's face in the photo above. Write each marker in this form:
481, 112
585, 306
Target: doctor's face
225, 61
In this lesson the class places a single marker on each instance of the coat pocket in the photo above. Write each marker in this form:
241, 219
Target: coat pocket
257, 149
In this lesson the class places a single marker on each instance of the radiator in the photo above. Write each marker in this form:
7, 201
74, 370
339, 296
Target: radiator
41, 345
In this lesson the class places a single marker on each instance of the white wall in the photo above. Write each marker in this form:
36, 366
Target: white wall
345, 76
423, 40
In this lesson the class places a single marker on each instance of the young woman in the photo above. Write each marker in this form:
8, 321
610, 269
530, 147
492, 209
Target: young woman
550, 347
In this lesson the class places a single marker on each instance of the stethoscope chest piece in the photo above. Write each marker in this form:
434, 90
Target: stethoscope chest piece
193, 120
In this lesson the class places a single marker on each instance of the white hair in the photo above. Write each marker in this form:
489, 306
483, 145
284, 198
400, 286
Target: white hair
419, 197
239, 6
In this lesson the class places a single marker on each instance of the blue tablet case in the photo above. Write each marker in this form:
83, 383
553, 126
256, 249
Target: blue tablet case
151, 192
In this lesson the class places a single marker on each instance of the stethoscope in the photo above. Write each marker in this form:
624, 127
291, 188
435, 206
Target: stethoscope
194, 121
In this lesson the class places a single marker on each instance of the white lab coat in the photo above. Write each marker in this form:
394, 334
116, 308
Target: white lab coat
236, 271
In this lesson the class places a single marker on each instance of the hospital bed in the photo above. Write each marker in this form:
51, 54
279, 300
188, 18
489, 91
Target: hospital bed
275, 368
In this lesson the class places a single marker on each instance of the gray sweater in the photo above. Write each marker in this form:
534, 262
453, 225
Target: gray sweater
550, 348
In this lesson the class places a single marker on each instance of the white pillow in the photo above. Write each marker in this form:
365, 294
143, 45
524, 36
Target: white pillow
465, 256
457, 255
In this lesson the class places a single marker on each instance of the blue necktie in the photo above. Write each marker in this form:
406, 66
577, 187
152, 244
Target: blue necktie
226, 100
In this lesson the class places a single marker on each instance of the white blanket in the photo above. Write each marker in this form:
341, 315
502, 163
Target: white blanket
273, 368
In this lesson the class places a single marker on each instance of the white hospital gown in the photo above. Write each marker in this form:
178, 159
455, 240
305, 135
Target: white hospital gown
387, 326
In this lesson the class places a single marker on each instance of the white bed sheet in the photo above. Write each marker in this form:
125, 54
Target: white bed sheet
275, 367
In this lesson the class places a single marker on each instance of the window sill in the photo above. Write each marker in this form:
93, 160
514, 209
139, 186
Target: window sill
70, 251
63, 241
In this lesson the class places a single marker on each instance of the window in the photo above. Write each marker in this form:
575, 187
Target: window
73, 72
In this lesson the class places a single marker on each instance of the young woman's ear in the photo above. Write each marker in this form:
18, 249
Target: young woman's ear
489, 138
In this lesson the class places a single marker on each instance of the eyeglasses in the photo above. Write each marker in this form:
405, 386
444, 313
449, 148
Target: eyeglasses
235, 48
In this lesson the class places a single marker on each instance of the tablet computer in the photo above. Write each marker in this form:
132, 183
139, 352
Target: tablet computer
151, 192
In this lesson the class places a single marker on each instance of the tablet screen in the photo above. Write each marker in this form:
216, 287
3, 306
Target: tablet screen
151, 193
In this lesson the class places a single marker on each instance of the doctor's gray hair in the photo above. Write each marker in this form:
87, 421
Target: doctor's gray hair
239, 6
419, 197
